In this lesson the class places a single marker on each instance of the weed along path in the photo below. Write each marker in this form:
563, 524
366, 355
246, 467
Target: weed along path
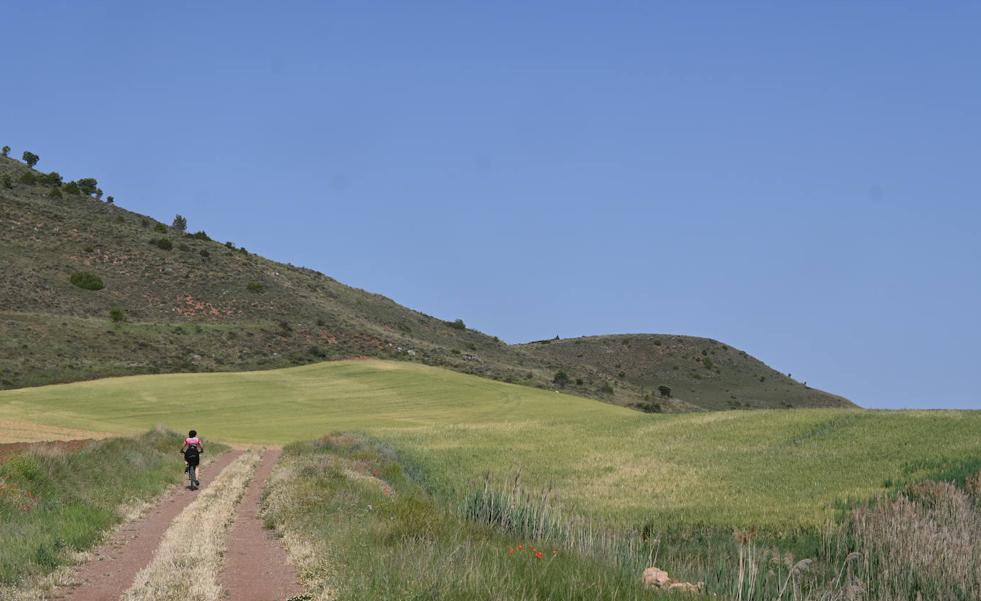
115, 564
256, 568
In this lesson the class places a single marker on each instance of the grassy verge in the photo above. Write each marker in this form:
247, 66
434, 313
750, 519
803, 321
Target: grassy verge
55, 504
187, 563
360, 526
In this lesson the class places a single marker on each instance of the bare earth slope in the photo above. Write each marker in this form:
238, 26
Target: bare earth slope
172, 302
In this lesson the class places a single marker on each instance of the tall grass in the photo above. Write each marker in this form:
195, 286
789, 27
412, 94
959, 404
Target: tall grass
384, 536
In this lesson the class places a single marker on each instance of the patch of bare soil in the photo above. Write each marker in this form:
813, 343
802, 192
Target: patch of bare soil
114, 565
256, 567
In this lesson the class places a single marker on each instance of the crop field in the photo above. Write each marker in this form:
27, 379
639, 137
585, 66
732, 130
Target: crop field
779, 470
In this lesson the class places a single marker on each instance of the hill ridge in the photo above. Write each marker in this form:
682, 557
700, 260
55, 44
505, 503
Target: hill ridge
166, 300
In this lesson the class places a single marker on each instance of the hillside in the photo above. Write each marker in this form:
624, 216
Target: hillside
171, 301
661, 372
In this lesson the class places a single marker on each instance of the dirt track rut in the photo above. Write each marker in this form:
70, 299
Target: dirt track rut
256, 568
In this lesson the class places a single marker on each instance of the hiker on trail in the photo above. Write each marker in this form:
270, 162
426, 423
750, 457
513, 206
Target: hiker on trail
192, 450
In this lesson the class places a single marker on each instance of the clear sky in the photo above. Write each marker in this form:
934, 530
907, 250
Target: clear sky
800, 180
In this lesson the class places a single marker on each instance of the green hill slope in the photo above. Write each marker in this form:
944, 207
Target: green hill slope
172, 302
778, 469
658, 372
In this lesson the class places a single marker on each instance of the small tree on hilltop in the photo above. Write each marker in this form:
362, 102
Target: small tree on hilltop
5, 151
30, 158
180, 223
110, 199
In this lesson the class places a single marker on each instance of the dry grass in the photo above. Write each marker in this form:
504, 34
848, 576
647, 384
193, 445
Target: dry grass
187, 564
12, 430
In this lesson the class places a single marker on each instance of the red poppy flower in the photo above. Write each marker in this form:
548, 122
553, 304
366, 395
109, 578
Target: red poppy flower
539, 555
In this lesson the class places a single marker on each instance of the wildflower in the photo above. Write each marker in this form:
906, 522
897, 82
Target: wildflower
510, 551
521, 547
539, 555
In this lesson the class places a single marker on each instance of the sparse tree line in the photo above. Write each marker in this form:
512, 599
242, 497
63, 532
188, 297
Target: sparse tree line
86, 186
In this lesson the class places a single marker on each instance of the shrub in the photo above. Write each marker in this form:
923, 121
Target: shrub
50, 179
230, 244
55, 193
255, 287
183, 247
30, 158
204, 253
560, 379
98, 194
318, 352
6, 151
110, 199
200, 236
707, 363
180, 223
87, 281
162, 244
457, 324
664, 391
117, 315
28, 179
7, 183
88, 185
72, 188
160, 228
144, 222
606, 388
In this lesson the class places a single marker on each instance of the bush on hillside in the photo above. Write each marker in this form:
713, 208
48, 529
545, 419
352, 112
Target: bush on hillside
117, 315
605, 388
183, 247
457, 324
162, 244
6, 151
88, 185
72, 189
180, 223
204, 253
200, 236
98, 193
50, 179
27, 178
160, 228
255, 287
110, 199
55, 193
664, 391
7, 183
560, 379
30, 158
87, 281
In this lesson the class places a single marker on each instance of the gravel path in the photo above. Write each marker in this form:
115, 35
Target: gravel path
114, 565
256, 568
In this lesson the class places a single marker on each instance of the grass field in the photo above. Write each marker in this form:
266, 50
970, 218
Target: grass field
778, 470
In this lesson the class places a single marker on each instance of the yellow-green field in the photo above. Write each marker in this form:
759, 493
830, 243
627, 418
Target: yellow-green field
775, 469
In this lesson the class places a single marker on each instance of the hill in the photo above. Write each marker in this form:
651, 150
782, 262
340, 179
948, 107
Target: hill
770, 469
658, 372
92, 290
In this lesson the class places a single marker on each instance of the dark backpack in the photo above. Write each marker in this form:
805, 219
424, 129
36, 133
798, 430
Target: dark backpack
192, 454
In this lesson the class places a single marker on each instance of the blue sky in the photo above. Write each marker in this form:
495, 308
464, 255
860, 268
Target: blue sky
800, 180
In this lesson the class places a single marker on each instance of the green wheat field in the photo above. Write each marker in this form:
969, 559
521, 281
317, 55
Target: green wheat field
778, 470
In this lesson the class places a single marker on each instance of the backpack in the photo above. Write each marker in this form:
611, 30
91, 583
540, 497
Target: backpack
192, 454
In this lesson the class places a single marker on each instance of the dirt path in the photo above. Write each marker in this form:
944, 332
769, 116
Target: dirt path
256, 568
115, 564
